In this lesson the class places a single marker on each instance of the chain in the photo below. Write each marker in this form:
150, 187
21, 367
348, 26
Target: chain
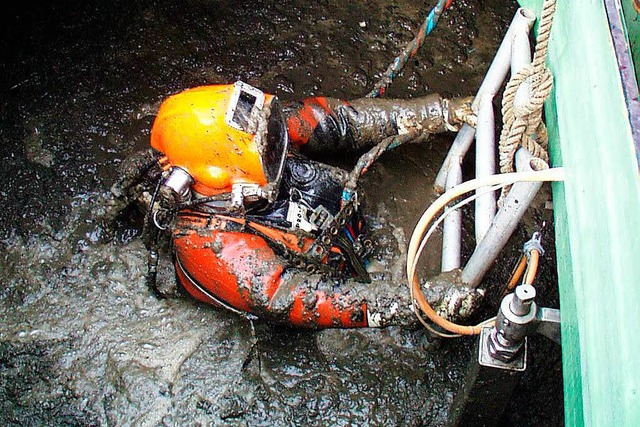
321, 246
312, 261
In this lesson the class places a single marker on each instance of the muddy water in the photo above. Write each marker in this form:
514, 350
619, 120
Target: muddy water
82, 341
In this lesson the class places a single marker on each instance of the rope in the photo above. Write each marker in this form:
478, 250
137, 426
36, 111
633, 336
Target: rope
523, 125
409, 50
366, 160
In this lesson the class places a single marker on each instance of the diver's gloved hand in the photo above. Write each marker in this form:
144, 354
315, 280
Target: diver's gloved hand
128, 188
451, 299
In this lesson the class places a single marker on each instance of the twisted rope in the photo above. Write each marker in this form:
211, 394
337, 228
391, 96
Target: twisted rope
409, 50
366, 160
523, 125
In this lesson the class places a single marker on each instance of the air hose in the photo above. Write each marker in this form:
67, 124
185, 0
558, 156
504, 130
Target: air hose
410, 49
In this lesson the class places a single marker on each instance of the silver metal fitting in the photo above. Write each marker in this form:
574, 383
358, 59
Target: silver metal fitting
500, 348
523, 298
245, 194
533, 243
494, 355
504, 344
511, 325
179, 181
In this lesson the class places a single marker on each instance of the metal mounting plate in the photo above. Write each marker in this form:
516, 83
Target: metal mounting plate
518, 364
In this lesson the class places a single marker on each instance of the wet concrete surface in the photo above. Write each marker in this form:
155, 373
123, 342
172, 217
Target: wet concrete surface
84, 342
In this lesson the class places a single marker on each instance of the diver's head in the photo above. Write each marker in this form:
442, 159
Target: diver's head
223, 140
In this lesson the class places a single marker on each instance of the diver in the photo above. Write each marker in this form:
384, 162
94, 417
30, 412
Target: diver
258, 224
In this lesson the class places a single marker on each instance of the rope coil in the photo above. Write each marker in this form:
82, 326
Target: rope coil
522, 124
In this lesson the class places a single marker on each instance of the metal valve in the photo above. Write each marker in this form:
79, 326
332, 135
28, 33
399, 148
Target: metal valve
504, 344
179, 182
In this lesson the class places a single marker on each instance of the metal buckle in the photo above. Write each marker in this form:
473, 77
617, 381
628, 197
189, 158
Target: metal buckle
303, 217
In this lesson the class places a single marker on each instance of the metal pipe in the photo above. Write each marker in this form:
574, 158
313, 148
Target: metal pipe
514, 51
521, 24
485, 165
520, 58
452, 227
505, 222
457, 151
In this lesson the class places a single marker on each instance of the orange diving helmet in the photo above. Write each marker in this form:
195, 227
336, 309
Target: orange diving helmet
222, 140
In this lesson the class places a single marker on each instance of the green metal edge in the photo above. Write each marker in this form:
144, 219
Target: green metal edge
597, 215
632, 24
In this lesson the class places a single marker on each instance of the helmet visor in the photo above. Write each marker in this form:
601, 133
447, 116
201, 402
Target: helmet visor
277, 140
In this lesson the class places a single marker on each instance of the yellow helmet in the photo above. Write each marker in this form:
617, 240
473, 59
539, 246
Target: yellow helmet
225, 137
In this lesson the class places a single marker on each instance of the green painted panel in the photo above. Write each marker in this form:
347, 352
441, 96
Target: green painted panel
632, 22
597, 220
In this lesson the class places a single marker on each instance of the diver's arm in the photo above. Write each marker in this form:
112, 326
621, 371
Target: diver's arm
240, 270
327, 125
317, 301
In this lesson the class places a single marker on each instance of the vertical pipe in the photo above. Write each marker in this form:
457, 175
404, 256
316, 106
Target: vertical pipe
514, 49
452, 227
485, 133
457, 151
505, 222
520, 58
485, 164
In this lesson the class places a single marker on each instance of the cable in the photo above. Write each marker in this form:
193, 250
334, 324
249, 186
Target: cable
367, 159
418, 236
516, 274
434, 331
426, 238
532, 267
552, 174
449, 211
410, 49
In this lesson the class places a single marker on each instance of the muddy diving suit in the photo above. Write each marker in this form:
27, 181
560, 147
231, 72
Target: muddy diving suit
260, 227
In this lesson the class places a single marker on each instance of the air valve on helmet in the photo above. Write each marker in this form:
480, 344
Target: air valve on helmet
178, 184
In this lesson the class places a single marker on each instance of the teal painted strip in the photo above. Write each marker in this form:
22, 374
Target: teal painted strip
571, 350
632, 22
597, 220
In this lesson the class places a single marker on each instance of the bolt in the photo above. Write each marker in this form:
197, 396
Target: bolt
522, 299
500, 348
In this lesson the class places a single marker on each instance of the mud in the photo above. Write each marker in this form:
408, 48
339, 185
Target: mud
84, 342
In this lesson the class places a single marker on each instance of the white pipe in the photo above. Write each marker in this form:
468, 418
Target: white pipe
520, 58
506, 221
485, 165
501, 64
456, 154
509, 52
452, 227
520, 53
521, 24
